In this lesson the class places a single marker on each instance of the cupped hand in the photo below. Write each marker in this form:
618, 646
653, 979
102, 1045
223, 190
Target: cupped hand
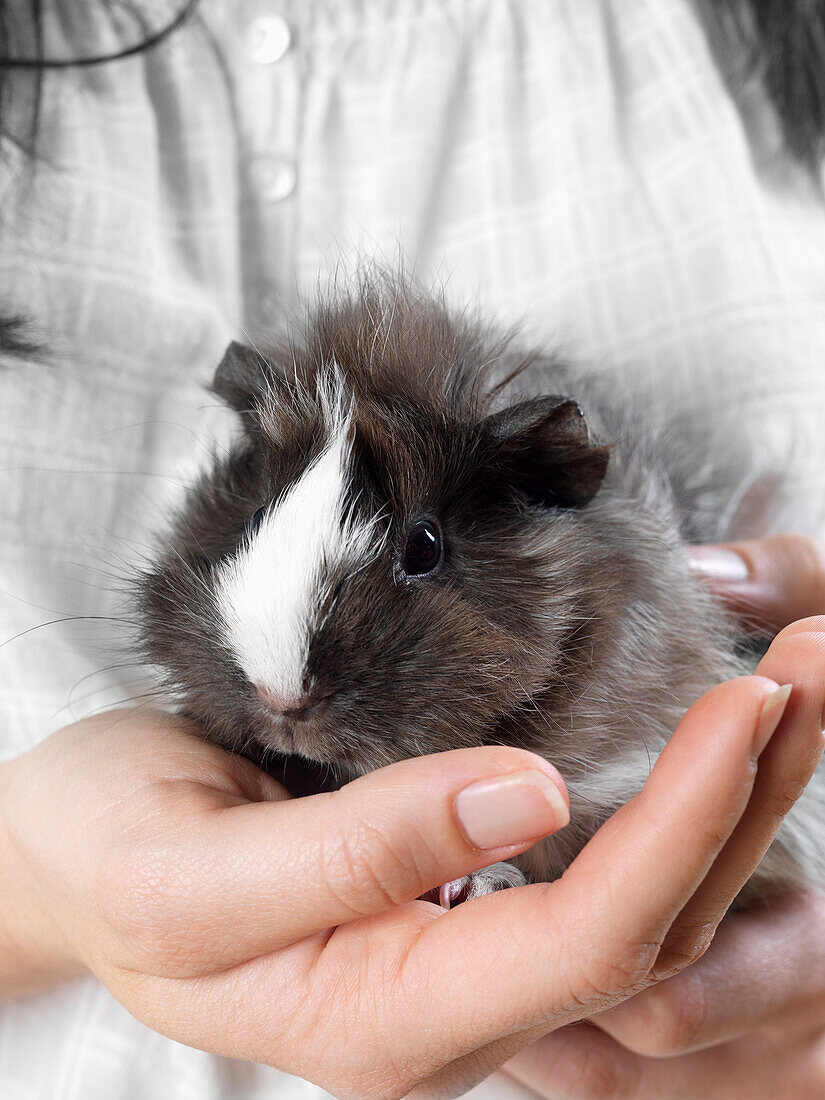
748, 1019
287, 931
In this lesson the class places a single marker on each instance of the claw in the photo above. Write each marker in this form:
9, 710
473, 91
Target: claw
499, 876
456, 891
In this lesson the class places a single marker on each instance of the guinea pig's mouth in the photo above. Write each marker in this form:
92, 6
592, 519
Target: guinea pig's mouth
315, 737
329, 741
290, 736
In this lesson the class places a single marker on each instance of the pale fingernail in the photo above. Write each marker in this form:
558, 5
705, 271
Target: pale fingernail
718, 564
511, 809
770, 716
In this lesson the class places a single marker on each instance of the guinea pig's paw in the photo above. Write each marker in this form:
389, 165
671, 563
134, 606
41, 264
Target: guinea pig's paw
498, 876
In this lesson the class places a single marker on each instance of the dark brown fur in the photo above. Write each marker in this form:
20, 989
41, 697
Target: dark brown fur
563, 618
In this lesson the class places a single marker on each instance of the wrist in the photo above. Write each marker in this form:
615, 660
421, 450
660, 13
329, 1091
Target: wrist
34, 951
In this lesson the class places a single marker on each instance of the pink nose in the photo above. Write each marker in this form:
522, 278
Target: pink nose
275, 701
298, 707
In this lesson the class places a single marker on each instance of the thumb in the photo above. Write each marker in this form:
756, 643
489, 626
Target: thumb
253, 877
769, 582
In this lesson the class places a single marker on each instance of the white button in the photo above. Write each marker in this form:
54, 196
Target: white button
273, 178
267, 38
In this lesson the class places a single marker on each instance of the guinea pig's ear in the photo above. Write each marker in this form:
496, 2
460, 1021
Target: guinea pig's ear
543, 449
243, 376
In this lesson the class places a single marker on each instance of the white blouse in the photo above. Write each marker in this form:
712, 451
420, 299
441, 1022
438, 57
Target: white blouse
578, 167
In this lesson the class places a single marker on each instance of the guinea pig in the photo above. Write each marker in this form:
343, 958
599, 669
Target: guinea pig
424, 539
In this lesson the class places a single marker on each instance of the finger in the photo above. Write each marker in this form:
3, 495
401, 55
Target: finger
767, 582
765, 969
579, 1064
784, 768
227, 884
680, 831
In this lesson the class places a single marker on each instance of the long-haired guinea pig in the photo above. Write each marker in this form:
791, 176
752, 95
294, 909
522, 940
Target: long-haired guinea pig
423, 541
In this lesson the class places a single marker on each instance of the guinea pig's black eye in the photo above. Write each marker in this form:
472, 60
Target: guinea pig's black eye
422, 552
257, 520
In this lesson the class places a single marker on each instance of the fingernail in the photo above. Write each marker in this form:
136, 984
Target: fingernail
510, 809
718, 564
770, 715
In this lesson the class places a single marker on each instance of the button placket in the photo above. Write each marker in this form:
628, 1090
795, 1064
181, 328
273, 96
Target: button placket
268, 108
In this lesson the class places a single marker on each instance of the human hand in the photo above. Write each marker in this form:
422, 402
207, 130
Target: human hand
768, 582
743, 1023
748, 1019
228, 916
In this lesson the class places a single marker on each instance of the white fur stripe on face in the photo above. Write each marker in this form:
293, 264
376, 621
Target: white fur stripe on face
271, 593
